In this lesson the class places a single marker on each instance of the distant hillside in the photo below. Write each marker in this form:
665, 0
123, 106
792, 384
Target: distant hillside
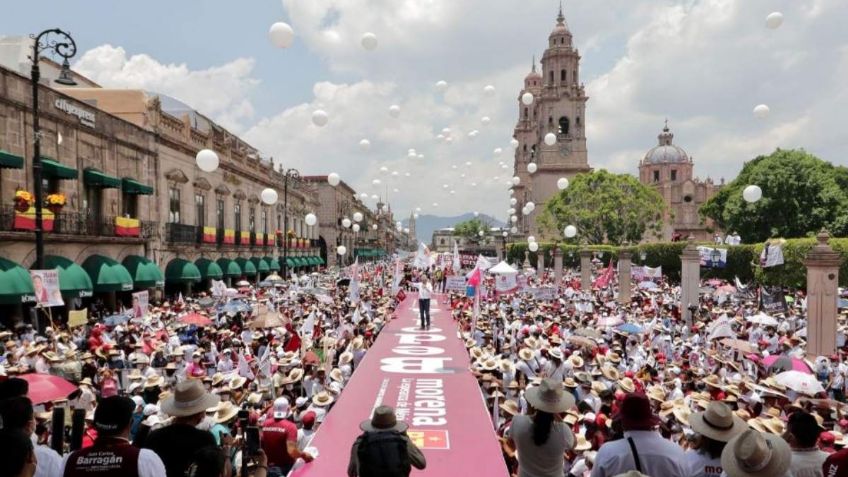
426, 224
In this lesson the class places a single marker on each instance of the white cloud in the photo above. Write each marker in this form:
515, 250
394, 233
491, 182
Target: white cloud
220, 92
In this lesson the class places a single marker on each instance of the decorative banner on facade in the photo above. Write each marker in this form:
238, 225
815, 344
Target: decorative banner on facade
46, 286
772, 300
708, 260
140, 302
229, 236
127, 227
245, 237
455, 283
209, 234
506, 283
77, 318
26, 220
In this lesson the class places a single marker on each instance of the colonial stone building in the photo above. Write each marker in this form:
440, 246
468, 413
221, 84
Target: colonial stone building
669, 169
558, 107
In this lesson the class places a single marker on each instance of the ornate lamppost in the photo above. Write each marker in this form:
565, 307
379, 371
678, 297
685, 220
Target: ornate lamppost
294, 176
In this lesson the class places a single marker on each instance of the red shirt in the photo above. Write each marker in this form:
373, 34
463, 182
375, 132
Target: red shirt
836, 464
276, 434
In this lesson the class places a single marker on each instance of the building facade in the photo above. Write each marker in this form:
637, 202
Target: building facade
558, 108
669, 169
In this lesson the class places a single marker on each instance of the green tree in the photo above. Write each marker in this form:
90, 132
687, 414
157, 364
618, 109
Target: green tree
470, 229
801, 194
605, 208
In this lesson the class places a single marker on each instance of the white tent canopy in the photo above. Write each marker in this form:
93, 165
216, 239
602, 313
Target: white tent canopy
503, 268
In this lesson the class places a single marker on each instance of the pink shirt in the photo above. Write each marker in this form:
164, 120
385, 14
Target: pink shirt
108, 387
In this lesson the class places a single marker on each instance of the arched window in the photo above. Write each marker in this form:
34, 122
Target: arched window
550, 120
525, 148
563, 125
525, 113
563, 76
577, 121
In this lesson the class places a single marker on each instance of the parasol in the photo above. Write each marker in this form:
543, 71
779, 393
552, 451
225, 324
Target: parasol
614, 320
206, 302
726, 290
630, 328
268, 320
195, 319
588, 332
762, 319
740, 345
800, 382
47, 387
786, 363
722, 331
581, 341
242, 283
115, 320
648, 285
236, 306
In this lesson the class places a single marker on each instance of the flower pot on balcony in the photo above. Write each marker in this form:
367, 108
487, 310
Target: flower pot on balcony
55, 208
21, 205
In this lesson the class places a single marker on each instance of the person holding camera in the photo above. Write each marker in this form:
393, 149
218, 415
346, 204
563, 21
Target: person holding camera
384, 448
279, 440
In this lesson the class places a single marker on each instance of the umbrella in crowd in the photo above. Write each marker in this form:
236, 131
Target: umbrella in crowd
739, 345
800, 382
648, 285
614, 320
115, 320
786, 363
236, 306
47, 387
267, 320
762, 319
195, 319
630, 328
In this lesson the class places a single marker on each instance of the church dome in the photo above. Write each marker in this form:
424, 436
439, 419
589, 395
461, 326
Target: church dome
666, 152
560, 29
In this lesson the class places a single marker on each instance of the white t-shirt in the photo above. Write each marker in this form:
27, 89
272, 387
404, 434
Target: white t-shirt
425, 290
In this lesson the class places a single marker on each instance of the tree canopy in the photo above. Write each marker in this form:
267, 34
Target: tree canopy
470, 229
605, 208
801, 194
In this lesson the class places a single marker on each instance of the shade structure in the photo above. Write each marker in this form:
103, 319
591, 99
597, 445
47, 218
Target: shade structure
73, 281
93, 177
319, 261
273, 263
56, 170
229, 267
261, 265
180, 270
247, 267
47, 387
107, 275
209, 269
15, 283
290, 262
132, 186
10, 161
144, 272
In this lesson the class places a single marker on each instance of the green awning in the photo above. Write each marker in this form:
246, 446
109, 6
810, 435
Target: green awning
144, 272
311, 261
319, 261
107, 275
316, 260
229, 267
93, 177
302, 261
273, 263
10, 161
247, 267
15, 283
180, 270
55, 170
209, 269
261, 265
290, 262
131, 186
73, 281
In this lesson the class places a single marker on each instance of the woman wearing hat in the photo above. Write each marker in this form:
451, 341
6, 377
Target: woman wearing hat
715, 426
541, 437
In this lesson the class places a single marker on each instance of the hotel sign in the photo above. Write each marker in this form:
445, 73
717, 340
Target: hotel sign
86, 117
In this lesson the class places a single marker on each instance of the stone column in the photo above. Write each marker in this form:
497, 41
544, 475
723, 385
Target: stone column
822, 280
690, 279
557, 264
540, 262
585, 270
624, 277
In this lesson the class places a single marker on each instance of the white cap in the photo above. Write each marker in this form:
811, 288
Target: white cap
281, 408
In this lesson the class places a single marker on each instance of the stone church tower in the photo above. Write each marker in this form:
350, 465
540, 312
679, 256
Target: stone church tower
559, 107
669, 170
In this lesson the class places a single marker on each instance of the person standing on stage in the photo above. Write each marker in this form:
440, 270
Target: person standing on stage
425, 290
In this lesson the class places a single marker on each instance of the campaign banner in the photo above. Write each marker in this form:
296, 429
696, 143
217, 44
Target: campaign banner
707, 259
425, 376
542, 293
468, 260
643, 273
45, 283
506, 283
455, 283
772, 300
140, 303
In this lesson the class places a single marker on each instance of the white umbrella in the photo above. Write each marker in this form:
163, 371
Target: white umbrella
503, 268
800, 382
242, 283
723, 331
762, 319
230, 292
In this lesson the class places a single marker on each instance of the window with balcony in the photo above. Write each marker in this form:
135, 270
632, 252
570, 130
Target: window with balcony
237, 215
129, 205
219, 215
199, 210
563, 76
656, 176
173, 205
674, 174
251, 220
92, 204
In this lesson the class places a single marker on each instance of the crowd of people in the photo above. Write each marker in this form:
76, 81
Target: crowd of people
579, 384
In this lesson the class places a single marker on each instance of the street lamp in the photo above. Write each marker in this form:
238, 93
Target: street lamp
62, 44
288, 175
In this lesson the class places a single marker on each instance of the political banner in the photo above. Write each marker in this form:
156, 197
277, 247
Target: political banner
140, 301
772, 254
77, 318
772, 300
506, 283
468, 260
521, 282
707, 259
45, 283
643, 273
455, 283
542, 293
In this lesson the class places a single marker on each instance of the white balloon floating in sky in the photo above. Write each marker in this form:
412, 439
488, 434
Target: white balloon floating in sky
476, 214
513, 201
441, 86
394, 111
489, 90
516, 180
384, 170
420, 156
570, 231
369, 41
752, 193
373, 226
468, 163
514, 230
341, 250
345, 222
533, 246
281, 35
375, 197
497, 151
761, 111
207, 160
513, 219
320, 118
562, 183
333, 179
269, 196
485, 120
510, 211
363, 196
532, 167
550, 139
357, 216
525, 210
531, 206
310, 219
531, 238
356, 227
527, 98
364, 144
376, 182
774, 20
514, 143
395, 173
415, 215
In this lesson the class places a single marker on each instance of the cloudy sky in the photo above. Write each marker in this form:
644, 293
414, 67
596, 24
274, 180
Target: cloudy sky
703, 64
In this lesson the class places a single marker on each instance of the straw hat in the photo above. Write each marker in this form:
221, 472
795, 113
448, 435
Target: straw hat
489, 364
754, 454
237, 382
154, 381
345, 358
336, 375
225, 411
627, 385
718, 422
323, 399
549, 397
383, 419
555, 353
576, 361
510, 407
570, 382
189, 398
582, 444
525, 354
610, 373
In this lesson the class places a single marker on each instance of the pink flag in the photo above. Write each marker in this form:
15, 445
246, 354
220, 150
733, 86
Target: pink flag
605, 278
474, 279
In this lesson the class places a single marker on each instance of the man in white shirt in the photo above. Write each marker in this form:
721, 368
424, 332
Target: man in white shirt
425, 290
803, 434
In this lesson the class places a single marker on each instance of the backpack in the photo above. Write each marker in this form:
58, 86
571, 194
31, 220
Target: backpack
383, 454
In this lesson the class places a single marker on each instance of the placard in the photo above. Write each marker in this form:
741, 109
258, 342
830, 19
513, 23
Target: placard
140, 302
455, 283
45, 283
542, 293
77, 318
772, 300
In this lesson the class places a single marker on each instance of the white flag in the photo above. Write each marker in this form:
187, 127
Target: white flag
396, 278
483, 263
244, 368
422, 257
265, 362
357, 317
457, 265
308, 326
